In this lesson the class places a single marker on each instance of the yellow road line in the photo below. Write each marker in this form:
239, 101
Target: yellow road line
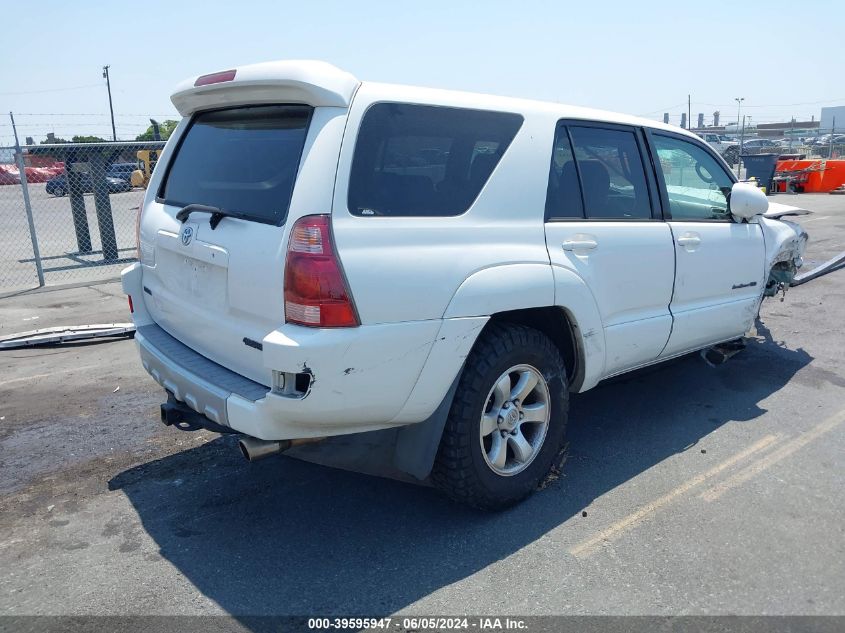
772, 458
587, 547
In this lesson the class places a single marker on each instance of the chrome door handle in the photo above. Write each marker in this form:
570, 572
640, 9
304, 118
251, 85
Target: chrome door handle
579, 245
689, 240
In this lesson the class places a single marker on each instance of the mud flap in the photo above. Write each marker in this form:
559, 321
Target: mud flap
416, 444
403, 453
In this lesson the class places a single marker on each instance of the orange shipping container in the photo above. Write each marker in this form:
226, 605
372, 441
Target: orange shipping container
823, 175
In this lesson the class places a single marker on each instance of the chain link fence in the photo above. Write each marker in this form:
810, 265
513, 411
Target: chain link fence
68, 211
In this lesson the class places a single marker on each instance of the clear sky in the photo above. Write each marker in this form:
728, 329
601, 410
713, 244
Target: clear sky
786, 58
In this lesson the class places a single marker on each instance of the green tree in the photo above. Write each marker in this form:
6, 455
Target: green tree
165, 128
88, 139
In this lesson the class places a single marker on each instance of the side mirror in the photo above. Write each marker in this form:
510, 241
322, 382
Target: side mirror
747, 201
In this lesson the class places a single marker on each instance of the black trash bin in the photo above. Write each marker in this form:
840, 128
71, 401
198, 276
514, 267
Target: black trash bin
761, 167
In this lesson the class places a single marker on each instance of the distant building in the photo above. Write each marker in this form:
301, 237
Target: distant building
787, 129
827, 118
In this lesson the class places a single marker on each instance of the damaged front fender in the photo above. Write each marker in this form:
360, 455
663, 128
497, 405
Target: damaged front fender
785, 245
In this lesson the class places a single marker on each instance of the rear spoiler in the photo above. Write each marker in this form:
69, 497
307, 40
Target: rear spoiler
308, 82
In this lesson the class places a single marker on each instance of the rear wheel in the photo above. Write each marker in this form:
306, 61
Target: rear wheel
506, 426
731, 156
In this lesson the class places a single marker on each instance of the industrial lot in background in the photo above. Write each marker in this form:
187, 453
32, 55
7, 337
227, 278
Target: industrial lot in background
809, 139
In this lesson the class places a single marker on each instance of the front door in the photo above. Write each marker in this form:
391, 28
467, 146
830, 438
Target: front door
719, 272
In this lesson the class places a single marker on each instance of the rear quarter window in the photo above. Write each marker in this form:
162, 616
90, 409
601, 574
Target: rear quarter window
419, 160
240, 160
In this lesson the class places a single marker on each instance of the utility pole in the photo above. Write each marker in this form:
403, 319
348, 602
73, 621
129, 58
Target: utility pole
741, 141
832, 134
791, 133
739, 101
689, 112
14, 129
111, 108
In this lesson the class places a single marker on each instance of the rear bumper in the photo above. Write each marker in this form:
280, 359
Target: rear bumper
365, 378
191, 378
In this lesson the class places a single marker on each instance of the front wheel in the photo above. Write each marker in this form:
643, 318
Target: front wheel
506, 426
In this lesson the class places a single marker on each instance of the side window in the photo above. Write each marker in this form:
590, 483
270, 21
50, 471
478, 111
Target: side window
611, 171
696, 184
418, 160
563, 197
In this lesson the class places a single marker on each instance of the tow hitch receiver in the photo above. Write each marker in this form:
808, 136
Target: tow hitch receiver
178, 414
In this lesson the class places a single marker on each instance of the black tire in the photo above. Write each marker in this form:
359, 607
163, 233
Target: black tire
731, 156
461, 470
59, 192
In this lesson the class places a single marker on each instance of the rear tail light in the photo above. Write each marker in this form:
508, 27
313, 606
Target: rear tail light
316, 293
131, 307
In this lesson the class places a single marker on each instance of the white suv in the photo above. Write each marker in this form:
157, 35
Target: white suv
726, 147
321, 256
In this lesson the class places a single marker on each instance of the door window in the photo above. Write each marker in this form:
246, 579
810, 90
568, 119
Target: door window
611, 173
696, 184
563, 197
418, 160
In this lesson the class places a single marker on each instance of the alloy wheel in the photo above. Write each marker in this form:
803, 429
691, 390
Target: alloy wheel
515, 420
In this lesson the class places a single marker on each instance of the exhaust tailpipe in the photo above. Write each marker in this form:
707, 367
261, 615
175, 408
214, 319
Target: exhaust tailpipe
254, 449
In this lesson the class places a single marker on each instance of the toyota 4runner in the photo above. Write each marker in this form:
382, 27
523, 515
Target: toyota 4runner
320, 256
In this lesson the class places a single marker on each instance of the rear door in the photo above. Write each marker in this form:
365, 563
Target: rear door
603, 222
719, 263
215, 281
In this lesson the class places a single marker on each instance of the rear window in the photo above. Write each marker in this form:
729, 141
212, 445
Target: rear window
417, 160
241, 160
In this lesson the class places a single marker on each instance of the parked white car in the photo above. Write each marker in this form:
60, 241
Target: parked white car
725, 146
321, 256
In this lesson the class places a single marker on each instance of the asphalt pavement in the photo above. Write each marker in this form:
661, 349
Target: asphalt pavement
687, 489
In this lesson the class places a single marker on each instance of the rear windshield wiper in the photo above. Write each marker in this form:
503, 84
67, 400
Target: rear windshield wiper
216, 214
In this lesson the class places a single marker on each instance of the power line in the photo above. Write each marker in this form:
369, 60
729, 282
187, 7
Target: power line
105, 123
773, 105
90, 114
34, 92
661, 110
